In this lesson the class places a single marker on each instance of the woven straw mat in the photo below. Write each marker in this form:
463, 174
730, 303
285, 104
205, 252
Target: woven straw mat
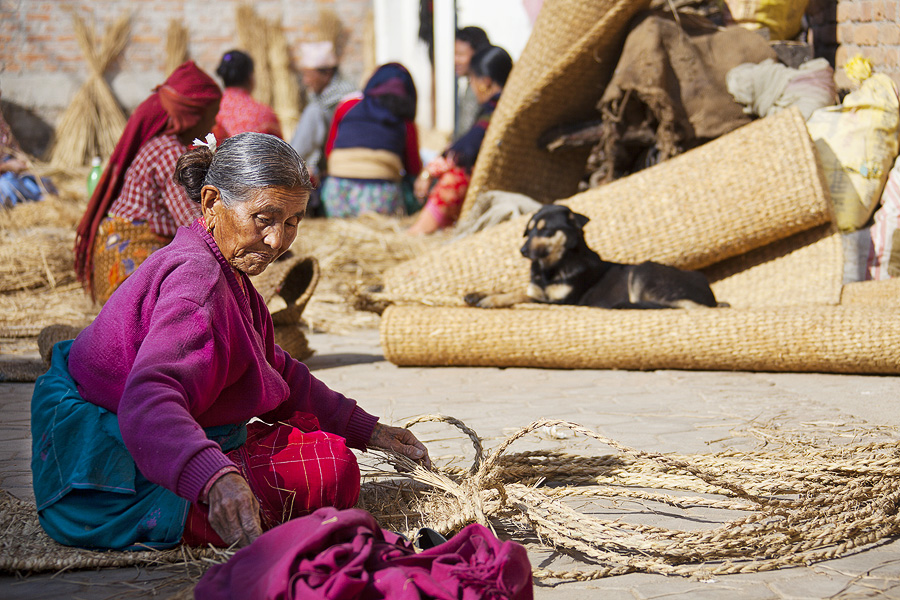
559, 77
831, 339
884, 293
24, 546
758, 185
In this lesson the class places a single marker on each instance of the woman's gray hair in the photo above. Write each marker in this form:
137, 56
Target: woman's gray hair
241, 166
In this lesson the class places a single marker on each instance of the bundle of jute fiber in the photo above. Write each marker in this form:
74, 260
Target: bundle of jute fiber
285, 89
253, 35
176, 45
754, 186
93, 122
804, 501
811, 338
559, 77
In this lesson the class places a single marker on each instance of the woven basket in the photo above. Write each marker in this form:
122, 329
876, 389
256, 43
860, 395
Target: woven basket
293, 279
831, 339
884, 293
559, 77
689, 212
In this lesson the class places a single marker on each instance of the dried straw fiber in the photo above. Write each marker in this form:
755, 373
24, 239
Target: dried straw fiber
560, 76
830, 339
757, 185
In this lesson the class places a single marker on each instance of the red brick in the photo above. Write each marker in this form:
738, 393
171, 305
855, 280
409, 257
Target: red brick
888, 34
865, 11
865, 34
845, 33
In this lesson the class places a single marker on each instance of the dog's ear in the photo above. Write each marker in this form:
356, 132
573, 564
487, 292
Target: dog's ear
580, 220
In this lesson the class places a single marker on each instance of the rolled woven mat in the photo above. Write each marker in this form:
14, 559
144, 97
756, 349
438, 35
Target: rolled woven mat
884, 293
558, 79
826, 339
757, 185
806, 268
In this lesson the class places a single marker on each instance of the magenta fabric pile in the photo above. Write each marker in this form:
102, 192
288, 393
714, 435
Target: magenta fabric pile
342, 554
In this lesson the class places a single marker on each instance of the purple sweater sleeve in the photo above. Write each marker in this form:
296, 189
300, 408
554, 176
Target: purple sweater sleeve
336, 413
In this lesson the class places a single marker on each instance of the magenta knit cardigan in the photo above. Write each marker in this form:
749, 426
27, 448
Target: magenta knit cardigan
179, 347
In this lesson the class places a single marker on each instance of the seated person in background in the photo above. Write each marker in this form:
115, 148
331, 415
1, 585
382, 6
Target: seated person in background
141, 427
325, 88
16, 185
445, 180
469, 40
239, 112
136, 206
372, 146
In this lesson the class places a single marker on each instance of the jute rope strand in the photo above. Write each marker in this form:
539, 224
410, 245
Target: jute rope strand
803, 501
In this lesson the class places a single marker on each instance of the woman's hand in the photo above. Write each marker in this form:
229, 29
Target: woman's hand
399, 440
233, 510
422, 186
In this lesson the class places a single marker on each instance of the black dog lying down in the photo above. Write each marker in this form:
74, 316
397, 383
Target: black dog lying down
565, 271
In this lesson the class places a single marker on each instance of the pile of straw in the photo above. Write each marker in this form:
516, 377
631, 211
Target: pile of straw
808, 500
92, 124
176, 45
285, 88
253, 35
353, 254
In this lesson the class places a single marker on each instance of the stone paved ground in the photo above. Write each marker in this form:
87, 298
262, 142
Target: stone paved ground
666, 411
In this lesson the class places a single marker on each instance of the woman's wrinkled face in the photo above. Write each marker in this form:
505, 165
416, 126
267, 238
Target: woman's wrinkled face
253, 233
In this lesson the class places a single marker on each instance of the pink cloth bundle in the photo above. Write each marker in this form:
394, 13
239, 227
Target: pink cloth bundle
344, 554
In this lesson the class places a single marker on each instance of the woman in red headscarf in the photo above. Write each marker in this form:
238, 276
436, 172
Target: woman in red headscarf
136, 206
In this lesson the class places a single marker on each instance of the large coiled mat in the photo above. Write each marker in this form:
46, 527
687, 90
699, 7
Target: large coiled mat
758, 222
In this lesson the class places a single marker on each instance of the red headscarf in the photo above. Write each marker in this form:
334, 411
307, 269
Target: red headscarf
173, 107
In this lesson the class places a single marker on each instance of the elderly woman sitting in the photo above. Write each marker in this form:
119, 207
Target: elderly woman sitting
140, 427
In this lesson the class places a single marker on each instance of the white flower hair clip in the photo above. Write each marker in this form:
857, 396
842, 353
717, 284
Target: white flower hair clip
209, 143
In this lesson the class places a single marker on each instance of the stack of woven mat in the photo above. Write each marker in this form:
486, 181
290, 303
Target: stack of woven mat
751, 209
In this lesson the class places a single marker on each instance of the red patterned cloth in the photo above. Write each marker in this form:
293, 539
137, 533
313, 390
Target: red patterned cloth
150, 194
173, 108
446, 197
292, 471
239, 113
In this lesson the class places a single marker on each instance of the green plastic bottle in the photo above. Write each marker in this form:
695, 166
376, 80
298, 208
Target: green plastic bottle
94, 176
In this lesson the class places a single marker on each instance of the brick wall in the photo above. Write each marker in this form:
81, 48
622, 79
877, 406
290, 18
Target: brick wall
41, 65
846, 28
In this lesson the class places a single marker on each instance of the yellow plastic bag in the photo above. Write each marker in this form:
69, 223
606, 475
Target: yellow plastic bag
858, 142
781, 17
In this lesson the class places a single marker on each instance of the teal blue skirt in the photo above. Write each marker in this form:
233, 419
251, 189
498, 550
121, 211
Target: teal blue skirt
88, 490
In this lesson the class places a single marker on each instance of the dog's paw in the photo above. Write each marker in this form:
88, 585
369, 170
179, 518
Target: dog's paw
474, 298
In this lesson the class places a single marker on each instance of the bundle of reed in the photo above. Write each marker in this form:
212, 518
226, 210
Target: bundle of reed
285, 88
253, 32
92, 124
176, 45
